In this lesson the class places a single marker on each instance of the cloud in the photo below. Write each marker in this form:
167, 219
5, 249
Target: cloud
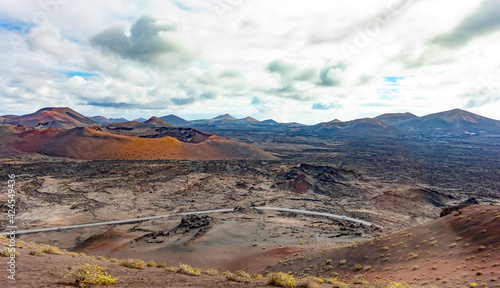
303, 84
475, 101
326, 106
181, 5
49, 39
289, 72
481, 91
150, 41
225, 78
146, 62
484, 20
112, 104
386, 13
193, 99
332, 75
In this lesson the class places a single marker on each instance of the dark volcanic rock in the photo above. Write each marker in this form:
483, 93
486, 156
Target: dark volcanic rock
451, 209
196, 221
470, 201
324, 180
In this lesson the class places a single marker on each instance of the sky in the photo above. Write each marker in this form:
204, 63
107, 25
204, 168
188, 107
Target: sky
296, 60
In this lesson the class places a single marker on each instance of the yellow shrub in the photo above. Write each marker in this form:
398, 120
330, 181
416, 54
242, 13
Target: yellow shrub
210, 271
172, 269
72, 254
242, 273
188, 270
151, 264
161, 265
51, 250
92, 274
37, 252
282, 280
237, 277
309, 282
5, 253
133, 263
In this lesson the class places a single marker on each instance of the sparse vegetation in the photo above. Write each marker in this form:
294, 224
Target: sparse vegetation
133, 263
91, 274
6, 253
151, 264
210, 271
281, 279
51, 250
37, 252
412, 256
188, 270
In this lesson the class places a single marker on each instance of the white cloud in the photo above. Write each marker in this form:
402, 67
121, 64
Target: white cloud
209, 57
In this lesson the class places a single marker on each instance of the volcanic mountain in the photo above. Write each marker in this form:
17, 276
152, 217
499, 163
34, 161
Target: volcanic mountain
140, 119
151, 122
56, 117
359, 127
4, 118
94, 143
176, 120
455, 120
394, 119
224, 117
158, 122
103, 120
218, 120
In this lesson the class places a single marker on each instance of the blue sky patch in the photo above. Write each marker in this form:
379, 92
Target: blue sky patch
326, 106
17, 26
393, 79
84, 75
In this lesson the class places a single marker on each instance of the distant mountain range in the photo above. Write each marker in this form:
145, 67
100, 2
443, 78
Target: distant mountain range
141, 120
103, 120
62, 132
455, 121
359, 127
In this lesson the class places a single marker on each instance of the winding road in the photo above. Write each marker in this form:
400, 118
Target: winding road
138, 220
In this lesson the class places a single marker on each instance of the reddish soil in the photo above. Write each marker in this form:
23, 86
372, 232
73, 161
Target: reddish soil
92, 144
112, 240
463, 247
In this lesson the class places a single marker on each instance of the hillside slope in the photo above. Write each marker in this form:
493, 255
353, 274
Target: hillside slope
460, 248
87, 143
359, 127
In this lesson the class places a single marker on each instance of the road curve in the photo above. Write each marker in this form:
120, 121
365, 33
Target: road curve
319, 214
138, 220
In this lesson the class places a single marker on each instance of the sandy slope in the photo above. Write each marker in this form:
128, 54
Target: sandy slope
88, 143
464, 247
